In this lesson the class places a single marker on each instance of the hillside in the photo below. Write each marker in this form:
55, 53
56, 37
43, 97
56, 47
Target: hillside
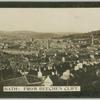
27, 34
41, 35
96, 34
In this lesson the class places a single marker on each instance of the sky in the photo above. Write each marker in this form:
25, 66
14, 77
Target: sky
50, 19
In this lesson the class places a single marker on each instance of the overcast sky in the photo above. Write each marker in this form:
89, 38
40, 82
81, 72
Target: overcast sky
50, 19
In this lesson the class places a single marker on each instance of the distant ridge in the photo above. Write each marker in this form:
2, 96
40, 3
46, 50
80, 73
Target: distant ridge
45, 35
28, 34
83, 35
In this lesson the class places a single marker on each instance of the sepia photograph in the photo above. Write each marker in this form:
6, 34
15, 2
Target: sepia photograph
49, 50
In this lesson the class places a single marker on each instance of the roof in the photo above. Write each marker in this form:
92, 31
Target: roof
21, 81
14, 82
48, 81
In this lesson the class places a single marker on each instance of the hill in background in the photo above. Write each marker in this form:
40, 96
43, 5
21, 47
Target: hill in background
40, 35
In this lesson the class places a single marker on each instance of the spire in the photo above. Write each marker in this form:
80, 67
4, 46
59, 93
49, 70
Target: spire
92, 39
48, 44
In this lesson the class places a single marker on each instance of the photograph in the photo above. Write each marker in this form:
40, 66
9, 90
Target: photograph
50, 50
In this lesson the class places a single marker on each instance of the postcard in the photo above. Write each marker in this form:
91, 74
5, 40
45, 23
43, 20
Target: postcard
49, 51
